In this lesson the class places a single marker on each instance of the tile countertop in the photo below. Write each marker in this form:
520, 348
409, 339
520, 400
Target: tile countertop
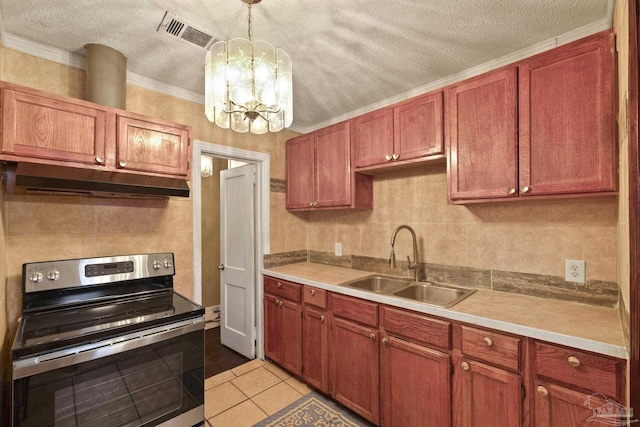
581, 326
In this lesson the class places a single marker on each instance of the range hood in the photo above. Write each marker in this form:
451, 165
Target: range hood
97, 182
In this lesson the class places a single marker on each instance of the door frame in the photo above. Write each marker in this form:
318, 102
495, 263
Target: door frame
262, 162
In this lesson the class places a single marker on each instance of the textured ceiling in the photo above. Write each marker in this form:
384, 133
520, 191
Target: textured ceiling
347, 54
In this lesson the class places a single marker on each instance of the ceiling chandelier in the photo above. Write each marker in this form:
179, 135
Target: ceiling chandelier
248, 84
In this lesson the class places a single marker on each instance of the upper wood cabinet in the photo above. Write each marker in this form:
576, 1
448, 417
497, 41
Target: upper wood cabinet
48, 128
319, 173
483, 136
43, 127
404, 133
152, 145
543, 127
567, 120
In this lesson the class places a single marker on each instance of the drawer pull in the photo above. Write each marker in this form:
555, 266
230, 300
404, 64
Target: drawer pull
385, 341
573, 361
372, 336
279, 284
322, 318
313, 292
465, 366
542, 391
487, 341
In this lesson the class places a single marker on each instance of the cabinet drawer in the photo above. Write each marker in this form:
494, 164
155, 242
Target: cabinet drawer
283, 288
355, 309
491, 347
315, 296
590, 371
416, 327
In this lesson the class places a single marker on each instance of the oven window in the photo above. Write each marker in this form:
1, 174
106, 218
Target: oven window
144, 386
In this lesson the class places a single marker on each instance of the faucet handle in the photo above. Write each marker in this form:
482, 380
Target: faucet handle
392, 258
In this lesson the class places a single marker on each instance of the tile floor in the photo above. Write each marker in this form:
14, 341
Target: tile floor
249, 393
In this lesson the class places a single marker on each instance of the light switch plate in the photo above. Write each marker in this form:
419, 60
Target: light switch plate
574, 271
338, 251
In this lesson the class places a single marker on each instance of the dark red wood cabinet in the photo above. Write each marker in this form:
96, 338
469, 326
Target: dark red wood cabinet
543, 127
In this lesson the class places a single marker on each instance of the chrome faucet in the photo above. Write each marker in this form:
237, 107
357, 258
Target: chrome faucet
392, 256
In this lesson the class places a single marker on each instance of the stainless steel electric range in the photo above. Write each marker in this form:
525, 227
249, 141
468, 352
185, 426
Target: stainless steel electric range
107, 342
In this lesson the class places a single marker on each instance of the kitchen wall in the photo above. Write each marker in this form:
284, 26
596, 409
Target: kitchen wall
621, 24
210, 202
42, 227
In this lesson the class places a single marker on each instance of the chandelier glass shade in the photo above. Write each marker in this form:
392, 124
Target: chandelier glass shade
248, 85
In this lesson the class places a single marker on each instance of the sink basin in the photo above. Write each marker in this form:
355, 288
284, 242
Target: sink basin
432, 294
380, 284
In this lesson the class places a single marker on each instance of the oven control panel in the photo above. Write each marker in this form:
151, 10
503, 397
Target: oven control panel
50, 275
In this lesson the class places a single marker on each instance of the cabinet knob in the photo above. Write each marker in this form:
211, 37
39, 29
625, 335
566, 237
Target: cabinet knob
372, 336
465, 366
322, 318
279, 284
388, 157
280, 303
512, 191
395, 156
573, 361
487, 341
542, 391
385, 341
525, 189
122, 164
277, 301
100, 160
311, 204
312, 292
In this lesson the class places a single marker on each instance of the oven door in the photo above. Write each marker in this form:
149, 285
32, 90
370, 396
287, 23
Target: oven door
147, 378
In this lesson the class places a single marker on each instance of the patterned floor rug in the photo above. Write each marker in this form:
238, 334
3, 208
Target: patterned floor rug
314, 410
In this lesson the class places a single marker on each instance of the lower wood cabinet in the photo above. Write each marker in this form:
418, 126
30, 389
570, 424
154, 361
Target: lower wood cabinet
415, 384
576, 388
354, 366
314, 348
283, 324
488, 396
399, 368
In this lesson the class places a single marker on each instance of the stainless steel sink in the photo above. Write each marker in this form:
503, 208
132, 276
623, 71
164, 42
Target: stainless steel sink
433, 294
380, 284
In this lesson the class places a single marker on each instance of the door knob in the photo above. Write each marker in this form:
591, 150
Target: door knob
542, 391
385, 341
372, 336
465, 366
221, 267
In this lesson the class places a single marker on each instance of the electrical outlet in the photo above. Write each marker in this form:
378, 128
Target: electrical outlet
574, 271
338, 251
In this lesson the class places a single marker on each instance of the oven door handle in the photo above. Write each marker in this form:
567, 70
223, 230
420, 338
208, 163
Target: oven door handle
84, 353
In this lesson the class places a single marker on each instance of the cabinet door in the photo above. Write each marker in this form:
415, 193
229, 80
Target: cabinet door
152, 146
415, 385
490, 397
300, 164
483, 150
52, 128
567, 122
290, 334
557, 406
333, 166
314, 349
373, 138
418, 127
271, 338
354, 368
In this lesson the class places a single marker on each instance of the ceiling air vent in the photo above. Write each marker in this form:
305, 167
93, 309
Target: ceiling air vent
174, 25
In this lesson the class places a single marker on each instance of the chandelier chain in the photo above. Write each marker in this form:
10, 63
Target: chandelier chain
249, 20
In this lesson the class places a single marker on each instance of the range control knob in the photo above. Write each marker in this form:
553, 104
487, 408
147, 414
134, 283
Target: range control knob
36, 277
167, 264
156, 265
53, 275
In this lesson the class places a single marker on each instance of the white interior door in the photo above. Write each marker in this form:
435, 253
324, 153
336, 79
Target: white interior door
237, 253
